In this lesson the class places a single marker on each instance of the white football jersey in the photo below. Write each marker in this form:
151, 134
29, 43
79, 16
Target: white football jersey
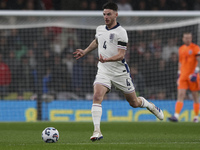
109, 41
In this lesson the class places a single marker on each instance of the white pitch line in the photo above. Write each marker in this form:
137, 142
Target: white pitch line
98, 142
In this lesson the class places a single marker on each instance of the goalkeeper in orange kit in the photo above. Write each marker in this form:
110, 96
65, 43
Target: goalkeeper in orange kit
189, 62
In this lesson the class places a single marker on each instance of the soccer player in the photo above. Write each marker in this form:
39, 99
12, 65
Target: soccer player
188, 72
111, 40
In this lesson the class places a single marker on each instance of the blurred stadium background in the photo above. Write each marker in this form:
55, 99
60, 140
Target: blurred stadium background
40, 80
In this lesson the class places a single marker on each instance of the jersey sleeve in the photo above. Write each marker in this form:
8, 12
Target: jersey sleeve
197, 51
179, 53
96, 37
122, 40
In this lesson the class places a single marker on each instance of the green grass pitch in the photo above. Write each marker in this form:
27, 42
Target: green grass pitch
117, 136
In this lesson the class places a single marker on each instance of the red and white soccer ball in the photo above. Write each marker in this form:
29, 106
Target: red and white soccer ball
50, 135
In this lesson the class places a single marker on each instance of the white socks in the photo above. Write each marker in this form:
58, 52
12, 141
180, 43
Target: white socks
97, 112
96, 116
145, 103
176, 115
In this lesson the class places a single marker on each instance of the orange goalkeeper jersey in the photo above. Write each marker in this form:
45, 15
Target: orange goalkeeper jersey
187, 59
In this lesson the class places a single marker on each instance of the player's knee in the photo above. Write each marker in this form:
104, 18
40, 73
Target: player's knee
97, 98
181, 95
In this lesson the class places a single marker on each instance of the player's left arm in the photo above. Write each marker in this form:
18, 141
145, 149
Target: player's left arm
198, 58
120, 56
193, 76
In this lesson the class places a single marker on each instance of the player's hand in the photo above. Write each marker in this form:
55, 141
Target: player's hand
102, 60
193, 77
78, 53
178, 73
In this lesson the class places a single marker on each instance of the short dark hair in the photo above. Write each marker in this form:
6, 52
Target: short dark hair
187, 32
110, 5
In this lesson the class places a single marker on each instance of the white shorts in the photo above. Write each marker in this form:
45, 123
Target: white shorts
121, 82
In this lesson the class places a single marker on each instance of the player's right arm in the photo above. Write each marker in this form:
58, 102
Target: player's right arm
179, 62
179, 69
80, 53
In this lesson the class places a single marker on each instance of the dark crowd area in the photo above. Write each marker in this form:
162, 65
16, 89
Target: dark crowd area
41, 60
126, 5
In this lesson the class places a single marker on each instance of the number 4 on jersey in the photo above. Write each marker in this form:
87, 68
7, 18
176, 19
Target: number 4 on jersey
128, 82
104, 45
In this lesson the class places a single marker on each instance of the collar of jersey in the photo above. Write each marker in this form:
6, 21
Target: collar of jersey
113, 27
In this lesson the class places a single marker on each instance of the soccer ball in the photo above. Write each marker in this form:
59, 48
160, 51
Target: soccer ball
50, 135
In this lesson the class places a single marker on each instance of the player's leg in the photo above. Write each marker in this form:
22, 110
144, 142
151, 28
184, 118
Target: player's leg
135, 102
194, 88
179, 105
125, 84
99, 93
182, 86
195, 95
102, 85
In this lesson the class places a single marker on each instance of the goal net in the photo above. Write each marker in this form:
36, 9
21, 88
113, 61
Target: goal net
36, 50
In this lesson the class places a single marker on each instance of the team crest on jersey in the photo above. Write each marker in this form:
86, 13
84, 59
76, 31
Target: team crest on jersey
190, 52
112, 37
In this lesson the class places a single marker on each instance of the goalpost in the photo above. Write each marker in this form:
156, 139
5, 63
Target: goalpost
37, 47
